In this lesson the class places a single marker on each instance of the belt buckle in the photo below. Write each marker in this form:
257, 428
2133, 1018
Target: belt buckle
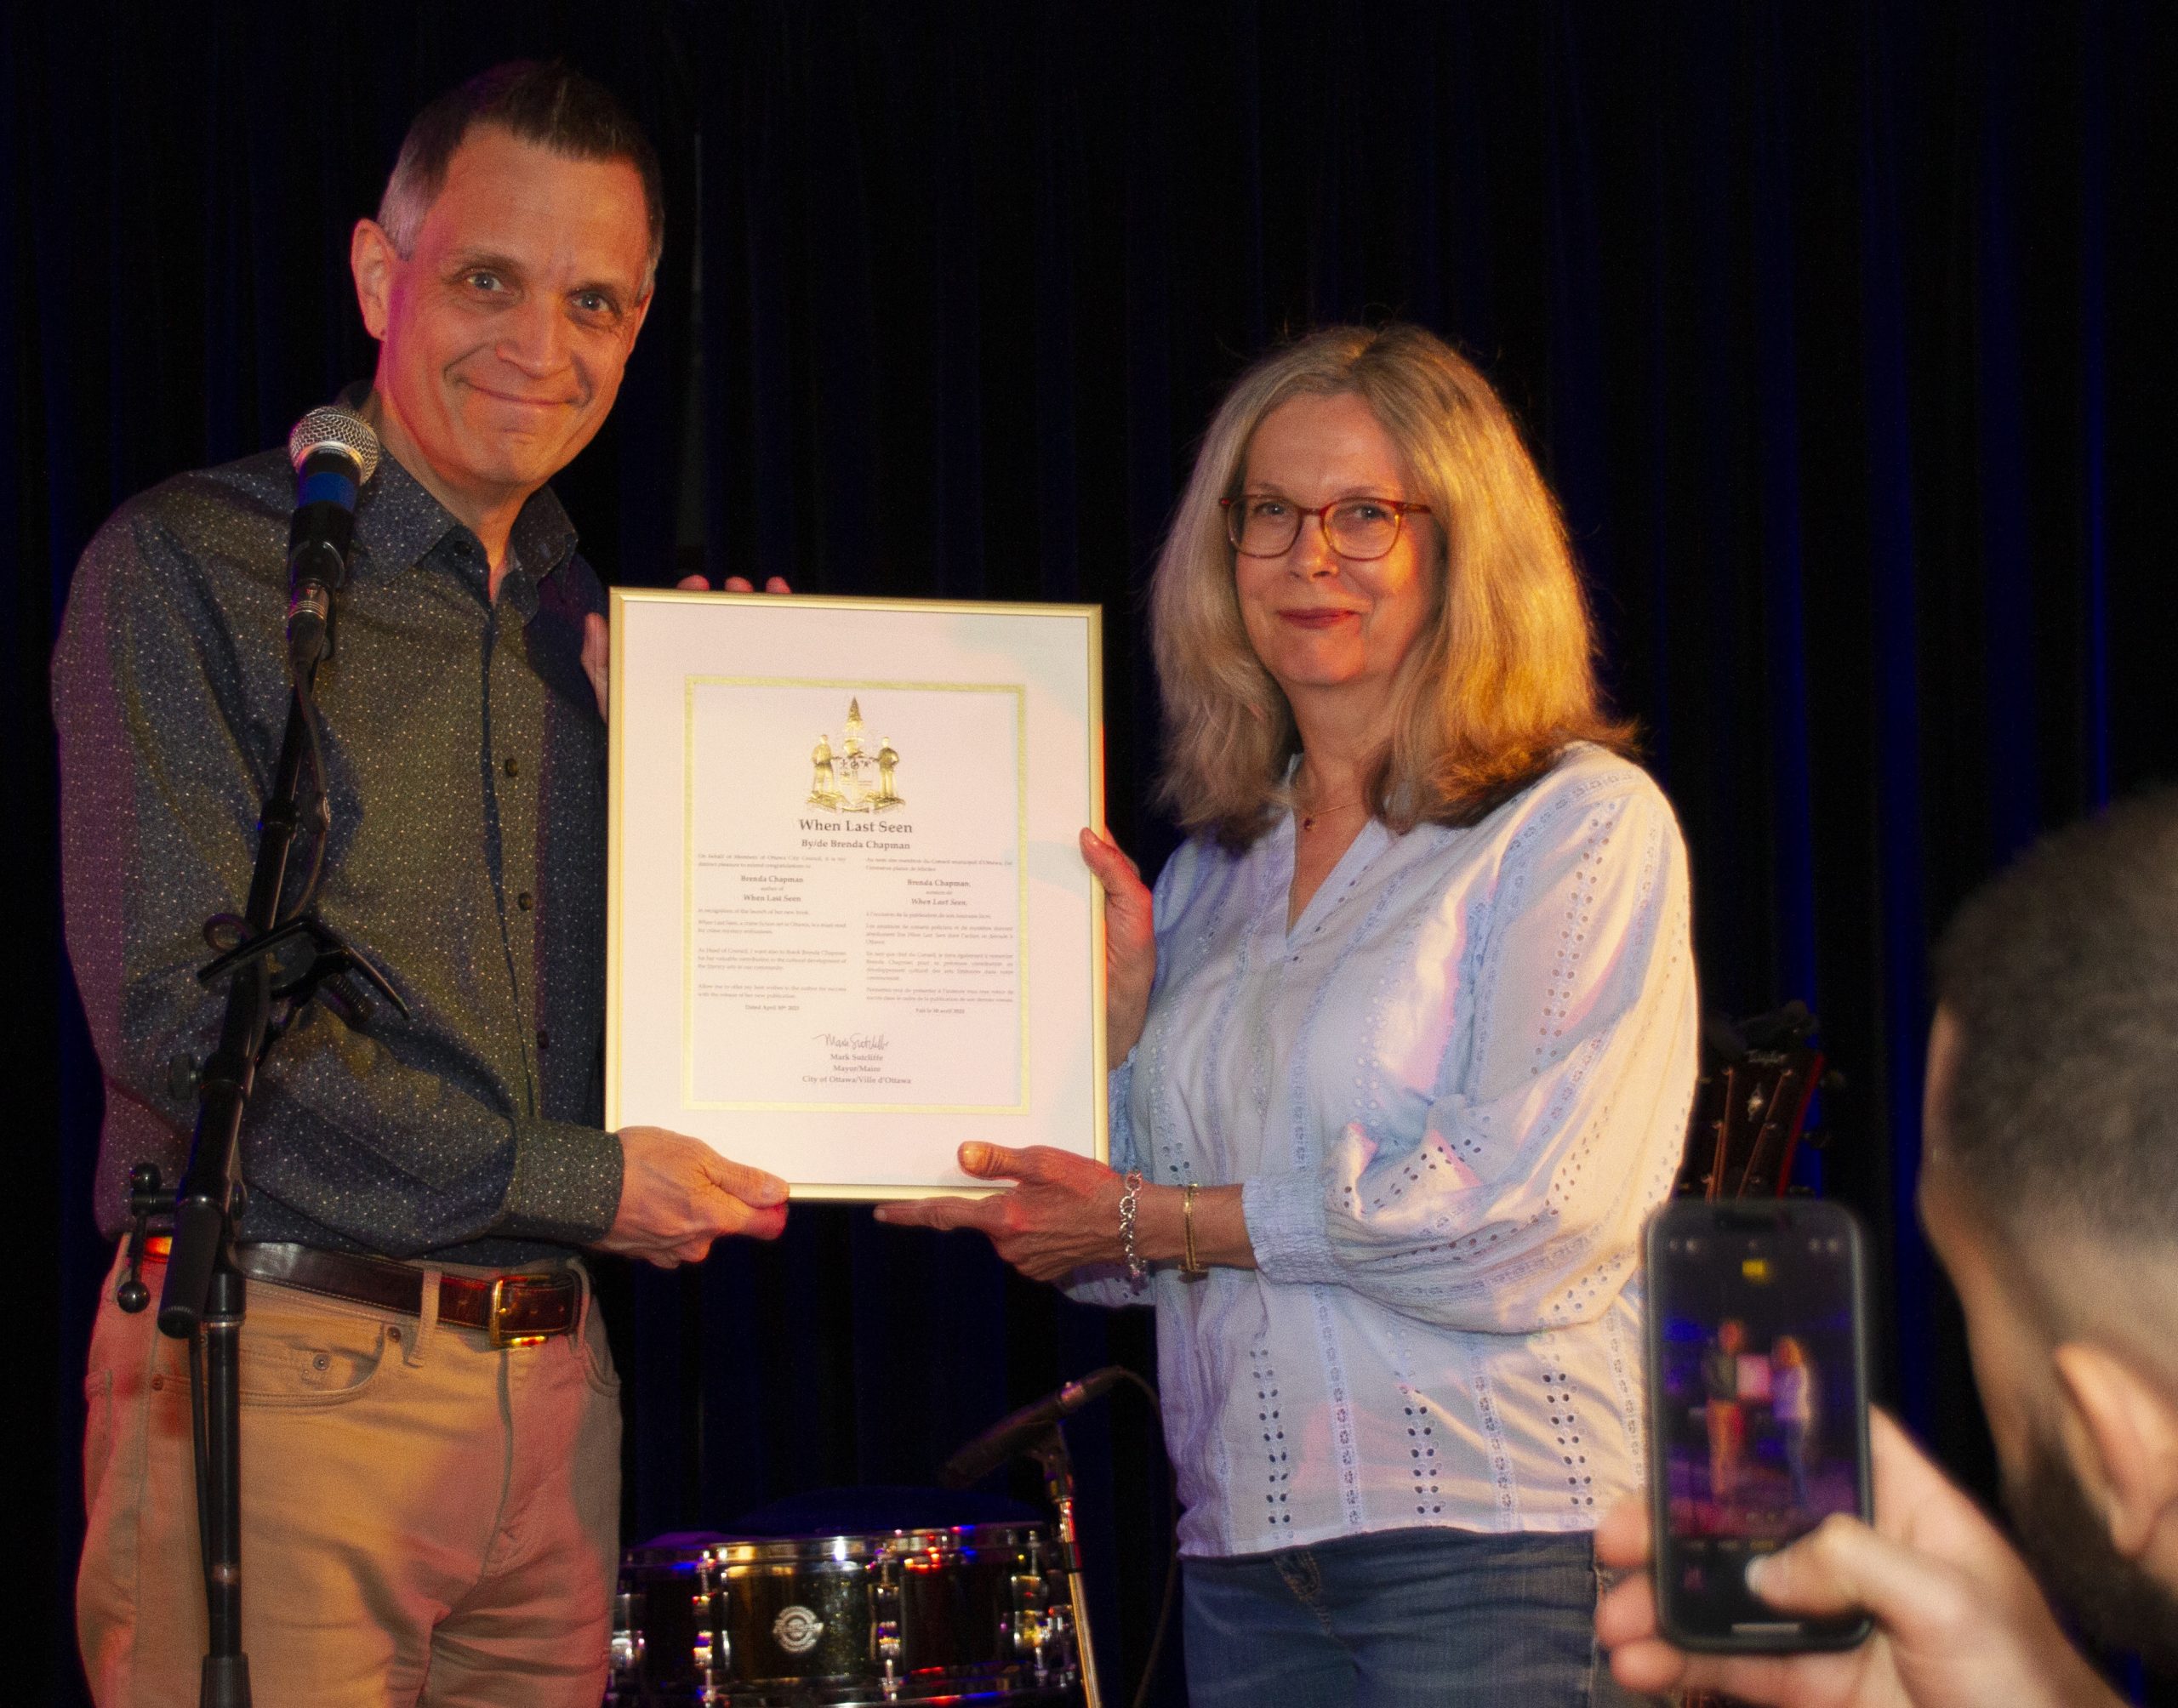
495, 1320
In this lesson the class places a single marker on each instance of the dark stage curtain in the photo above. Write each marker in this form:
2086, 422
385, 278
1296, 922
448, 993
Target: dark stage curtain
1839, 328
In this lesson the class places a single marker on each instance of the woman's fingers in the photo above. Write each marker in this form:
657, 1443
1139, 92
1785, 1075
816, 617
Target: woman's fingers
990, 1162
944, 1213
1114, 870
1130, 941
1031, 1165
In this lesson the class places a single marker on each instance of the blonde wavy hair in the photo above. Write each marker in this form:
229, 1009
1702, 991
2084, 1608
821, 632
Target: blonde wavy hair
1499, 680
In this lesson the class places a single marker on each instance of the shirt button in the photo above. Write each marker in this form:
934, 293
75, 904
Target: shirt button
544, 1039
512, 766
524, 901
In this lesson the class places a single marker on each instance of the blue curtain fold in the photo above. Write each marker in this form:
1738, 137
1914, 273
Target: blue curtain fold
1838, 330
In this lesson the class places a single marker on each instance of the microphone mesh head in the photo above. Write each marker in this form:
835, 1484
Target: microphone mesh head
333, 427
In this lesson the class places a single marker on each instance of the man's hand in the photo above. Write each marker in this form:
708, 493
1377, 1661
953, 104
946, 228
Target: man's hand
1063, 1216
1959, 1622
677, 1195
1129, 943
597, 638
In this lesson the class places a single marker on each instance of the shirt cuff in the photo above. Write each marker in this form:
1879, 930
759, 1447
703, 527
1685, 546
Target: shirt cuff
566, 1185
1119, 1088
1285, 1214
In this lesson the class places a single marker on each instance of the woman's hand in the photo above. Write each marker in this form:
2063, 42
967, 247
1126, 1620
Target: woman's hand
1130, 944
1063, 1215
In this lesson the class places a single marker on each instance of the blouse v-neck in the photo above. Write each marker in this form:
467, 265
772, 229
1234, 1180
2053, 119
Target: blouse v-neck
1371, 840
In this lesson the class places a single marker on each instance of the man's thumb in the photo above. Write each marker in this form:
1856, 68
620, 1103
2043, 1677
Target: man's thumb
1841, 1566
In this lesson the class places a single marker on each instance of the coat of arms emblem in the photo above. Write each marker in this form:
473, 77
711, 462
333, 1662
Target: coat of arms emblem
850, 778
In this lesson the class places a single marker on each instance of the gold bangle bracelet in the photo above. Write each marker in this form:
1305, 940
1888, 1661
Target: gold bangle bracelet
1189, 1265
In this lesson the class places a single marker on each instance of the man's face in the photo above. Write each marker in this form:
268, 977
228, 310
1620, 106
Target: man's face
2118, 1601
505, 332
2114, 1597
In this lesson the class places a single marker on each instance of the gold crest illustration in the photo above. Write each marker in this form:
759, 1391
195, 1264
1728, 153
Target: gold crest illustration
848, 778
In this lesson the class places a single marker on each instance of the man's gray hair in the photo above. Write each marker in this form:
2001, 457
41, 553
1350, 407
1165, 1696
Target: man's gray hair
552, 105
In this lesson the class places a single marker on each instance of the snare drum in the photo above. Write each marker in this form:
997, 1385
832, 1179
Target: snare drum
976, 1613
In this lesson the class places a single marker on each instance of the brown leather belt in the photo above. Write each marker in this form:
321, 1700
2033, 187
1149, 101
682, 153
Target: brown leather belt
512, 1310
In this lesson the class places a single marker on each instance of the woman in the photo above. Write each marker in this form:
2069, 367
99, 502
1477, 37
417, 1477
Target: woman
1792, 1403
1407, 1055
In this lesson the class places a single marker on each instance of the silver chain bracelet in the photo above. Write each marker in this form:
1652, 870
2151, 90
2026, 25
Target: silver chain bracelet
1130, 1201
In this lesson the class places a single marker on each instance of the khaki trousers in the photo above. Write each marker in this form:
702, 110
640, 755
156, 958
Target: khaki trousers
425, 1519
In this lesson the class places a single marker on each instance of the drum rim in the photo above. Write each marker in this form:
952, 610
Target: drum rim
820, 1548
841, 1546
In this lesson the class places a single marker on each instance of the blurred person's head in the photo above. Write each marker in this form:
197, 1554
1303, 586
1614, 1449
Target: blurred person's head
1731, 1333
1785, 1353
2050, 1189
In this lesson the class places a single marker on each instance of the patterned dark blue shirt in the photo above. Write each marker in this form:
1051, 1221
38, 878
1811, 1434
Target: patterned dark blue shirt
465, 773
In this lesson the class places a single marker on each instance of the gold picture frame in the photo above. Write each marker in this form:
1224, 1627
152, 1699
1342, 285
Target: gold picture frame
819, 927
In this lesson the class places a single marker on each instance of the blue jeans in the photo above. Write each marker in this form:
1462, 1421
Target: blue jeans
1400, 1619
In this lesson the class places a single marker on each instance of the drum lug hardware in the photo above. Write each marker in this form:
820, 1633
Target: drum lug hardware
1029, 1633
627, 1639
885, 1625
714, 1648
1058, 1636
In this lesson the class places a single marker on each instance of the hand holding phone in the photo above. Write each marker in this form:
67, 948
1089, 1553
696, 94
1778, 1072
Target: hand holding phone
1757, 1409
1958, 1620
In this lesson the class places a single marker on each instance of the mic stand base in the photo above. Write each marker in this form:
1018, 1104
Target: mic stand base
1058, 1466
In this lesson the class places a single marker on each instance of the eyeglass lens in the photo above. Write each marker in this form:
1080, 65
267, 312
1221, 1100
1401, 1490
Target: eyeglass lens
1264, 526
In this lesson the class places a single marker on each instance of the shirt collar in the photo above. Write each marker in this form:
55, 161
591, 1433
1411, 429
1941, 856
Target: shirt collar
399, 523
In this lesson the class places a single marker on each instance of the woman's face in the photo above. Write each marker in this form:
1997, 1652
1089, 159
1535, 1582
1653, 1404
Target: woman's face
1327, 629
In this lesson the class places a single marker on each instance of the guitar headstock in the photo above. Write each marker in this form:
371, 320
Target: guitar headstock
1750, 1106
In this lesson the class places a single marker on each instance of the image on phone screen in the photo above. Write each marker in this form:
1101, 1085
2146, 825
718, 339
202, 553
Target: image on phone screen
1759, 1402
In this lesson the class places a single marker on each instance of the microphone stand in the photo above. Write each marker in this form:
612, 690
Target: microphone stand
204, 1299
1050, 1452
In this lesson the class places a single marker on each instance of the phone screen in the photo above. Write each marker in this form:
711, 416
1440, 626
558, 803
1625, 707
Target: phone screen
1758, 1406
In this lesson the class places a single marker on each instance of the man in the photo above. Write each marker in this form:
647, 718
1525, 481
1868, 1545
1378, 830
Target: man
430, 1512
2049, 1190
1721, 1412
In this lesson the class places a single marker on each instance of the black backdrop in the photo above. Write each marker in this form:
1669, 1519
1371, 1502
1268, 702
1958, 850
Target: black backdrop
1839, 328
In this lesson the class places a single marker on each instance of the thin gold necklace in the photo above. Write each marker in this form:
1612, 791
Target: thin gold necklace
1309, 820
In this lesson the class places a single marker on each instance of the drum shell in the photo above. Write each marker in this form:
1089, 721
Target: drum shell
815, 1618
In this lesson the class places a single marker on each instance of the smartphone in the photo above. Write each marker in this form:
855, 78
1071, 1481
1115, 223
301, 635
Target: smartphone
1758, 1407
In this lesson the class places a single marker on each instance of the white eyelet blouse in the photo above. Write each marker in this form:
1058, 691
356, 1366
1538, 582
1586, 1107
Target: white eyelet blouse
1453, 1092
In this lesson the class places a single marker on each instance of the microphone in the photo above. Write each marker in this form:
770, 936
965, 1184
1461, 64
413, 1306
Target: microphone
334, 451
1009, 1435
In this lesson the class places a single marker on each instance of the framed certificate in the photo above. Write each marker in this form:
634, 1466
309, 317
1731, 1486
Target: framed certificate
848, 922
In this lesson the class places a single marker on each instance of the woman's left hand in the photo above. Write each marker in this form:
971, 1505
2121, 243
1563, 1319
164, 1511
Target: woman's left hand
1063, 1216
